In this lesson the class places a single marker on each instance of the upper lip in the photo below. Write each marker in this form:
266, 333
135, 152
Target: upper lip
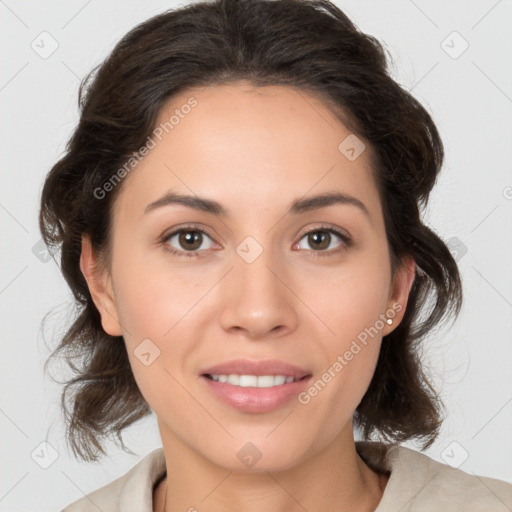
258, 368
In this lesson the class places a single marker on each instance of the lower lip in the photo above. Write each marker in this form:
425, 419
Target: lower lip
252, 399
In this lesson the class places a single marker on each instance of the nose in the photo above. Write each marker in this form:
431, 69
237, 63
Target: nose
258, 299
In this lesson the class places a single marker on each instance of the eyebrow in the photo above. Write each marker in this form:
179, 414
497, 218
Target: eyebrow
298, 205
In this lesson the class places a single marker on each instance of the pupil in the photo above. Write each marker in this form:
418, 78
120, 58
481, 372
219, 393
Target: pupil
187, 239
320, 236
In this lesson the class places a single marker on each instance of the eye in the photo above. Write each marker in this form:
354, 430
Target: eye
188, 239
321, 239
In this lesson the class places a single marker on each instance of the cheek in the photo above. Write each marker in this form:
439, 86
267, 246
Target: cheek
151, 297
354, 297
152, 314
351, 304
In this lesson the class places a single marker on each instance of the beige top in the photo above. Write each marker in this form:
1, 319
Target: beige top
417, 483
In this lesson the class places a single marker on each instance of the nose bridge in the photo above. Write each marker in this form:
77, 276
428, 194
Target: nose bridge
257, 299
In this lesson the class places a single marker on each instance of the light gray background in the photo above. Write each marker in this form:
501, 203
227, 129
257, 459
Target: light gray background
470, 99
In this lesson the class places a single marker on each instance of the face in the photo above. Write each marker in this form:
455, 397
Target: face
308, 285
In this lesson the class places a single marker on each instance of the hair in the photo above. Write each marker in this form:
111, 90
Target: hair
309, 45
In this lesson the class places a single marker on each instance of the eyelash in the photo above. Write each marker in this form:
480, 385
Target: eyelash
347, 242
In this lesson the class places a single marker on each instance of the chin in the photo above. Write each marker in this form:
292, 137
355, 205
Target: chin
258, 455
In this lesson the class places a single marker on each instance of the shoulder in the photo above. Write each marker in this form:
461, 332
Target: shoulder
131, 491
418, 483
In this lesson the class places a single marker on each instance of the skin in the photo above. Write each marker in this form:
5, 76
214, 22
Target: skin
254, 150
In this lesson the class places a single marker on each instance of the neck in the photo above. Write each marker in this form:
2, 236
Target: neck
335, 478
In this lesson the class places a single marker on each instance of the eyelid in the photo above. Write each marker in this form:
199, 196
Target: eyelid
326, 227
186, 227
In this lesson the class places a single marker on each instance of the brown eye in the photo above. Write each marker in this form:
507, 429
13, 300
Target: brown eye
187, 240
190, 240
321, 239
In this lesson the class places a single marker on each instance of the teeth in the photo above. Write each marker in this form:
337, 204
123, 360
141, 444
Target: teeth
244, 381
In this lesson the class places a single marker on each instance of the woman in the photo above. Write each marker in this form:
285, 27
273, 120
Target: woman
238, 210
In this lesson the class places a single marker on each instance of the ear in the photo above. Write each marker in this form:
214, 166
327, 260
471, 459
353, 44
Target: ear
100, 286
399, 293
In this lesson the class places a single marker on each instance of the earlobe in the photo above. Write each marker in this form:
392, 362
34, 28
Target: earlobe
401, 287
100, 288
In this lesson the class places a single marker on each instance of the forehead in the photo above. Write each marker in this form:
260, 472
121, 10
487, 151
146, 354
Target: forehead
249, 147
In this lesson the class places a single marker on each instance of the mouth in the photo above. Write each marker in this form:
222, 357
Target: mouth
254, 381
255, 386
247, 372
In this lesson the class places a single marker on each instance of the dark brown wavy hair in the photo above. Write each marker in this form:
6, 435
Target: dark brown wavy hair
309, 45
